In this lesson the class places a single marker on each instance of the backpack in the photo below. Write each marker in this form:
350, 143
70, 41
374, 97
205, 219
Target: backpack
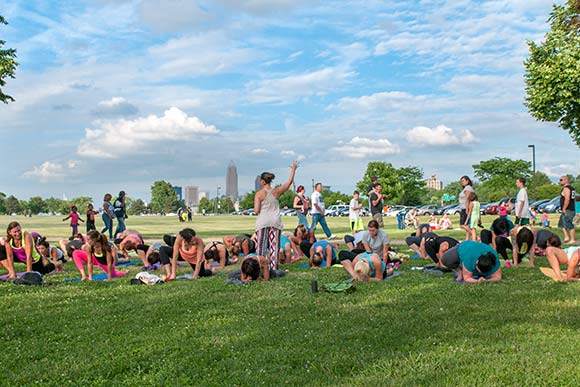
29, 278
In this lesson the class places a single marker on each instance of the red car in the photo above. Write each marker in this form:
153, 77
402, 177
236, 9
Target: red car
491, 208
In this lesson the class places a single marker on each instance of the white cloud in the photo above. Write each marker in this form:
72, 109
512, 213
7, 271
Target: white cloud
116, 106
259, 151
292, 154
360, 148
172, 16
51, 171
440, 135
293, 87
388, 100
560, 170
122, 137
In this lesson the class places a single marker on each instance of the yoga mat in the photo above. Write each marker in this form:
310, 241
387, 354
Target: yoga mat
96, 277
130, 263
4, 277
395, 274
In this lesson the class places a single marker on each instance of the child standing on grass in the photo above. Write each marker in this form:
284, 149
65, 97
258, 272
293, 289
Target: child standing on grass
74, 219
545, 220
91, 217
473, 215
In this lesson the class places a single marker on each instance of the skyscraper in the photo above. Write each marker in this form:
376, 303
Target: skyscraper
232, 181
191, 196
178, 191
257, 185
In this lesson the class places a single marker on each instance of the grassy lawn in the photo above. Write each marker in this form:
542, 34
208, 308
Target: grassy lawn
412, 330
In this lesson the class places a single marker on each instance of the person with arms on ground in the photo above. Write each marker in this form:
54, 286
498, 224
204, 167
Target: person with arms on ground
522, 205
20, 246
269, 222
187, 247
557, 256
102, 254
376, 241
318, 211
567, 206
301, 205
376, 203
475, 262
367, 267
323, 254
119, 210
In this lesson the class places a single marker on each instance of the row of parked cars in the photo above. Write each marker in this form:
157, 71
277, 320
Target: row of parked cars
549, 205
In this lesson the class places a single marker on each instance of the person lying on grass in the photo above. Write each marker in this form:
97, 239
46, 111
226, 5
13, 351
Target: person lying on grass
217, 252
187, 247
367, 267
303, 238
98, 251
474, 261
322, 254
557, 256
20, 246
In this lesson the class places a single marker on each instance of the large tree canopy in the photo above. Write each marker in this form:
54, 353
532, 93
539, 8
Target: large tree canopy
400, 185
7, 66
553, 71
163, 197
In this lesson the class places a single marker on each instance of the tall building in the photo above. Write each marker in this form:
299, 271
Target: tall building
257, 185
203, 194
191, 196
232, 181
434, 183
178, 191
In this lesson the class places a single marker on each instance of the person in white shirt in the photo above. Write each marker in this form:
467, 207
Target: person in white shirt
522, 205
318, 211
353, 214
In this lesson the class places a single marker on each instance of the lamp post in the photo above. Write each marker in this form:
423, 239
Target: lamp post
533, 169
217, 199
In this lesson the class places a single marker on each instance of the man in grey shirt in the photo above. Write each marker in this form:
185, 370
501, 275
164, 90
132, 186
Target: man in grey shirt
522, 204
376, 241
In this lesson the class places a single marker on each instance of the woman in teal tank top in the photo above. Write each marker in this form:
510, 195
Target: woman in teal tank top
367, 267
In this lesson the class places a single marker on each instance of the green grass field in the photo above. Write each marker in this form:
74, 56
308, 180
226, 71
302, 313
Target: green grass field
413, 330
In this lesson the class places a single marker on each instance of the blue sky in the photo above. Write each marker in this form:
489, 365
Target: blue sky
114, 95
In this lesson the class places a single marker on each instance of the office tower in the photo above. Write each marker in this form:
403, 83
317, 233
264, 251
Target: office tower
257, 185
232, 181
178, 191
191, 196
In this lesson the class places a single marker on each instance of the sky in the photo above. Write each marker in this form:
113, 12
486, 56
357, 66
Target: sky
116, 94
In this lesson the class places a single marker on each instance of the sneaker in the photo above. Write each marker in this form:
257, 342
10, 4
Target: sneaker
333, 237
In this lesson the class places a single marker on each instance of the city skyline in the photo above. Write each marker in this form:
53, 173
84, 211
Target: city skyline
232, 182
115, 95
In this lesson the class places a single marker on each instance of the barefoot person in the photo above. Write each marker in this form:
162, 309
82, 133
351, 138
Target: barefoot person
20, 246
557, 256
367, 267
269, 223
567, 202
464, 204
96, 252
187, 247
474, 261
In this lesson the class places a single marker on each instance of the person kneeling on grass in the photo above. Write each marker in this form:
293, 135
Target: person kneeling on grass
474, 261
102, 254
557, 256
255, 268
51, 253
322, 254
187, 247
523, 243
21, 246
217, 252
367, 267
437, 246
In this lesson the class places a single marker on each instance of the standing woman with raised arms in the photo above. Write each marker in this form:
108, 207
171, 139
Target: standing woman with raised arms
269, 223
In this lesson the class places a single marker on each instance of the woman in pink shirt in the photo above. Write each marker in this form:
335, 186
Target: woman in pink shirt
74, 219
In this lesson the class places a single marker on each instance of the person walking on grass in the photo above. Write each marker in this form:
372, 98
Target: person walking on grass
318, 211
354, 215
269, 222
75, 218
473, 215
108, 215
567, 204
301, 205
464, 204
119, 208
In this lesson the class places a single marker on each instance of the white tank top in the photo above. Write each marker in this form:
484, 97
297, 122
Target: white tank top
269, 215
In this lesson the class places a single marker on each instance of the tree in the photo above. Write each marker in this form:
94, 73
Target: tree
400, 186
163, 197
12, 205
204, 204
330, 198
547, 191
82, 203
37, 205
54, 205
498, 177
552, 72
7, 66
136, 207
226, 205
2, 203
247, 201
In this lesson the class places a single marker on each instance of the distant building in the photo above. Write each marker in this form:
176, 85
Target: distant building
434, 183
191, 196
178, 191
232, 181
257, 185
203, 194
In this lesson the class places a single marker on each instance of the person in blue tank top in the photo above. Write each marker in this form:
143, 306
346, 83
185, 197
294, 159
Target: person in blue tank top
367, 267
474, 261
322, 254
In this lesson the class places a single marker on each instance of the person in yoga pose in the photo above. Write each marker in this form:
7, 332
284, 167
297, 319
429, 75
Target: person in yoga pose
21, 246
187, 247
474, 261
217, 252
242, 243
323, 254
557, 256
98, 251
367, 267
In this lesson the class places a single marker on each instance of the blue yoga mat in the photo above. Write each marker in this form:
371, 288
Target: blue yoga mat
96, 277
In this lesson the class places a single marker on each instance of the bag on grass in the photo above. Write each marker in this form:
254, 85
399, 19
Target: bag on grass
29, 278
148, 278
340, 287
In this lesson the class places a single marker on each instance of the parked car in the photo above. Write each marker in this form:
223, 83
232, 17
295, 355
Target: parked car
552, 206
538, 203
441, 210
455, 210
481, 208
427, 210
491, 208
394, 210
288, 212
335, 209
